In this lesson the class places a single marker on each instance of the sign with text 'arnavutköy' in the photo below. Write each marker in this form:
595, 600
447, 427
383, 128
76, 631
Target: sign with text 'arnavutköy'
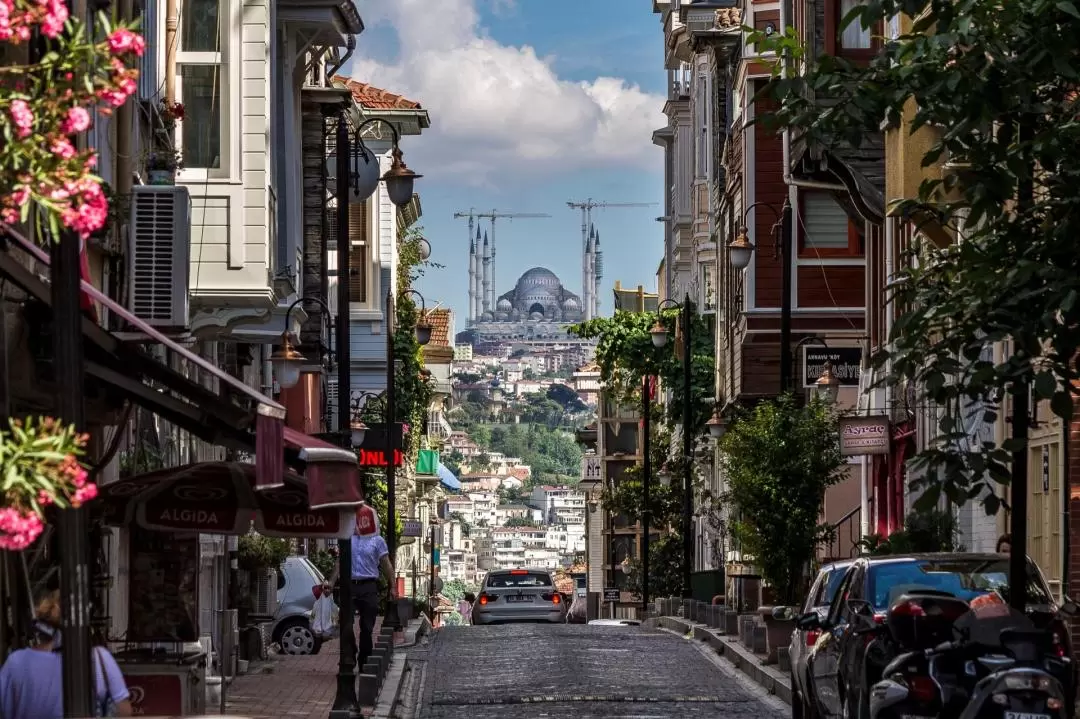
846, 364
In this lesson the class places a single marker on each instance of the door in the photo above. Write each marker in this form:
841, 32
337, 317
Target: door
824, 658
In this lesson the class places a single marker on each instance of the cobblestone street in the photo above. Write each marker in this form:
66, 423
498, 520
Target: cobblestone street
577, 671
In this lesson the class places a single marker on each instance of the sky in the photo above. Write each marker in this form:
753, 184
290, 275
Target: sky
533, 103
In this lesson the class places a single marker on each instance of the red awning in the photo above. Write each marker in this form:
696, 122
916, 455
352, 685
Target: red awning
221, 498
332, 473
270, 416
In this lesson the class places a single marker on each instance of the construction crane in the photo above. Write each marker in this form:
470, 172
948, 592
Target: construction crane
588, 279
473, 216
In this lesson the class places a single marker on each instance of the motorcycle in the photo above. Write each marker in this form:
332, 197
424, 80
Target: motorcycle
1001, 667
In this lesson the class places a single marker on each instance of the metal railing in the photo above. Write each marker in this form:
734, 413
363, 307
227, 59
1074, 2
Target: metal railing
846, 533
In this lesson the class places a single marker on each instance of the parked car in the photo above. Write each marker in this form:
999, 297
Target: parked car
818, 600
297, 579
518, 595
843, 665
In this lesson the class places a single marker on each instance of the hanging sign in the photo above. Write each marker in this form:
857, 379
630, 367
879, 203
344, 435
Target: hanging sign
846, 364
412, 528
864, 436
590, 469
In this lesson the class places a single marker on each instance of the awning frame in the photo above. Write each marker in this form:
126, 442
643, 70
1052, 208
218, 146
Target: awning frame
204, 413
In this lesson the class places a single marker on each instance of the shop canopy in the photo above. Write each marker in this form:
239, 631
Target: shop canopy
236, 416
448, 478
221, 498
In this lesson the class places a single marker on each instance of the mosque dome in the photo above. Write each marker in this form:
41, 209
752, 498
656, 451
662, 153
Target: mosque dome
504, 305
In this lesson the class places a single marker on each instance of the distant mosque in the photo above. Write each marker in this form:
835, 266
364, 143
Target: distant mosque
538, 310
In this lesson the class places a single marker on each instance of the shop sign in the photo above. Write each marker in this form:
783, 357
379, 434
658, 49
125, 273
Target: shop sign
412, 528
590, 469
864, 436
846, 364
188, 518
317, 522
612, 594
154, 695
377, 457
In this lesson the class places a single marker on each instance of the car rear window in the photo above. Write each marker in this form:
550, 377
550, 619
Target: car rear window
963, 578
523, 579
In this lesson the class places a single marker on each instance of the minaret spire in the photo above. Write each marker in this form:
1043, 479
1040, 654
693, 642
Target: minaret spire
487, 275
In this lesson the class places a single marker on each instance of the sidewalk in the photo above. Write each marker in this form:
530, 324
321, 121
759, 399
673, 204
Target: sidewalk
301, 687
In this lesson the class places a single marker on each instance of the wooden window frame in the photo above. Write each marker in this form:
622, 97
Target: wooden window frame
855, 238
832, 36
359, 253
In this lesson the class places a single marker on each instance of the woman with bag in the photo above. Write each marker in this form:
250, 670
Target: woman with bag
31, 680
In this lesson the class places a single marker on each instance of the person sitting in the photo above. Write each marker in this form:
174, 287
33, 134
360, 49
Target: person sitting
1004, 544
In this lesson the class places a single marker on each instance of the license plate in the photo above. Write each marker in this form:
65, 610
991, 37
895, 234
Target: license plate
519, 599
1025, 715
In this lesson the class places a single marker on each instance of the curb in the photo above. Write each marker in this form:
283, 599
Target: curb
386, 705
767, 677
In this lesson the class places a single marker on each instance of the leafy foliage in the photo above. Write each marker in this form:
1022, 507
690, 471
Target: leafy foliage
932, 530
993, 87
552, 454
325, 560
779, 459
256, 553
625, 354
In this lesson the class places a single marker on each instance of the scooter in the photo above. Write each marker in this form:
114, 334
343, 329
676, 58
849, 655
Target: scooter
1022, 685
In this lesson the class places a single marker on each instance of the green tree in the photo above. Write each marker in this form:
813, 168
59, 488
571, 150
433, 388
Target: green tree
779, 459
482, 462
519, 522
996, 83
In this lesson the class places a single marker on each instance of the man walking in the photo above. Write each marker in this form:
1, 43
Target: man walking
370, 556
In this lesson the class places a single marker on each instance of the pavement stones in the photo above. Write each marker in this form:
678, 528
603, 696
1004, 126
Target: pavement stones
563, 671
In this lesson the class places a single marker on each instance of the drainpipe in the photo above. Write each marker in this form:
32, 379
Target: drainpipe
124, 119
350, 48
170, 51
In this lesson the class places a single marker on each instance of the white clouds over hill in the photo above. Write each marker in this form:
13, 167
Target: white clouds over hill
497, 110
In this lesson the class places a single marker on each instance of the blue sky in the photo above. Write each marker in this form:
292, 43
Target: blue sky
532, 103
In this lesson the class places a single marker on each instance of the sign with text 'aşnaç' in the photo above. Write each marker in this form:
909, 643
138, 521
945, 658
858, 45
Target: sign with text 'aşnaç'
864, 436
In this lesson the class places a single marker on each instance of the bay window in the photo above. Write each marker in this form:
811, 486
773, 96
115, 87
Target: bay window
202, 86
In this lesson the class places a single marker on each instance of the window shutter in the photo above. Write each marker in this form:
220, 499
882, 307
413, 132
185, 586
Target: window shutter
825, 224
358, 234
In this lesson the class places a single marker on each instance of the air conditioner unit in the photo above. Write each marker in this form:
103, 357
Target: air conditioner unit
265, 593
159, 261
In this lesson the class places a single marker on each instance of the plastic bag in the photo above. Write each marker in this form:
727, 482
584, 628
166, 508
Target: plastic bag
324, 618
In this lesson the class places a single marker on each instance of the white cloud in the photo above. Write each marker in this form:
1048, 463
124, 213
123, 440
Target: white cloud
497, 109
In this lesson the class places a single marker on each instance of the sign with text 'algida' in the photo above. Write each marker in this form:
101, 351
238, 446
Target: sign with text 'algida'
846, 364
864, 436
372, 452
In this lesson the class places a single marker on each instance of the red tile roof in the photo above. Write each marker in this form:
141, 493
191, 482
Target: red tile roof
439, 319
375, 98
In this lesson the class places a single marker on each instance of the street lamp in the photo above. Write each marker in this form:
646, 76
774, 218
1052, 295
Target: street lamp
739, 252
717, 425
399, 178
827, 386
423, 327
357, 428
664, 475
286, 361
423, 247
659, 339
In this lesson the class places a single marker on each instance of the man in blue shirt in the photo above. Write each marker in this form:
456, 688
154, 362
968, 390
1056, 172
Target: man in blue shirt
370, 557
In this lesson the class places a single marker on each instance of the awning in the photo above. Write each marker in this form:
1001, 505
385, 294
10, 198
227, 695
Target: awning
332, 473
221, 498
448, 478
237, 416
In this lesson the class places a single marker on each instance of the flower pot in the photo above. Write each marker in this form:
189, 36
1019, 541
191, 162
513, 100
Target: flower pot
162, 177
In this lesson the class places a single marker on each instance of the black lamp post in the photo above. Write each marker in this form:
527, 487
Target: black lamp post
660, 339
646, 479
740, 252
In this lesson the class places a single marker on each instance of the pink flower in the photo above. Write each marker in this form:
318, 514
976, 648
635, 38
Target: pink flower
128, 86
116, 98
77, 120
124, 41
84, 494
62, 146
44, 499
23, 117
6, 8
9, 215
21, 195
19, 530
56, 14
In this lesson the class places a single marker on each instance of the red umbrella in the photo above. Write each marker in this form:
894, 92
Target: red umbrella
220, 498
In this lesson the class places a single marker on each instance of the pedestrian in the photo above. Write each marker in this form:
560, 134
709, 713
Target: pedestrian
370, 556
31, 680
465, 607
1004, 544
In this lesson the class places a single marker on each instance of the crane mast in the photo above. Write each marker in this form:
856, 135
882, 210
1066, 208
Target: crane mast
482, 259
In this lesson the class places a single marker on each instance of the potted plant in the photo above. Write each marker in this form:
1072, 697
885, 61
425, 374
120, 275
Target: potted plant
162, 165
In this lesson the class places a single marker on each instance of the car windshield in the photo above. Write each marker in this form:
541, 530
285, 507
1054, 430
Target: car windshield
522, 579
963, 578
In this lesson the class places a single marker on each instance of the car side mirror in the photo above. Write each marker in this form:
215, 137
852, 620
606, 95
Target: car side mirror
1070, 608
783, 614
809, 621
